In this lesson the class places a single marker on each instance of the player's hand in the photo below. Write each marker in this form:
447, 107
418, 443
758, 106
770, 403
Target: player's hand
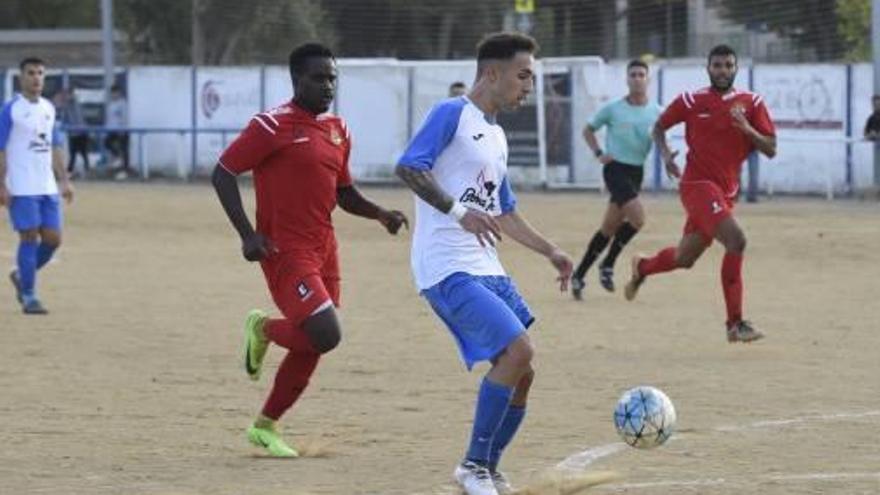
392, 220
67, 191
4, 195
481, 225
739, 119
672, 170
564, 266
605, 159
257, 247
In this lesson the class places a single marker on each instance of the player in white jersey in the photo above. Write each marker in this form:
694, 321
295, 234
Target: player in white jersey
31, 161
457, 166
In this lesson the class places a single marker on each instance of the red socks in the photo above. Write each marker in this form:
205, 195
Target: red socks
293, 374
731, 282
287, 335
664, 261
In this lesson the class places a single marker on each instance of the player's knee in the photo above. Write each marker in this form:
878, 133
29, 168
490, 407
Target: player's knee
29, 235
637, 223
685, 262
737, 243
51, 239
520, 354
327, 340
324, 331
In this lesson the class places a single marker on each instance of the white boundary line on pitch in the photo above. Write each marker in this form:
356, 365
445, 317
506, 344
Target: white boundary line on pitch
807, 477
581, 460
799, 420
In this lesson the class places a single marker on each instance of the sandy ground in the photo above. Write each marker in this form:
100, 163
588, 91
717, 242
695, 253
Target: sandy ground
133, 384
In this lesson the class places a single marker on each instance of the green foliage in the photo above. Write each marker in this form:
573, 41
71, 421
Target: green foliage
854, 27
49, 14
812, 24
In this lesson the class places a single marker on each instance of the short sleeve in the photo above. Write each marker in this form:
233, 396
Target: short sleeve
761, 120
434, 135
676, 112
506, 197
5, 125
602, 118
255, 143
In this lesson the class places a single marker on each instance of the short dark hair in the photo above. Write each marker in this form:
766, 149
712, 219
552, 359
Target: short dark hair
31, 61
636, 63
504, 46
721, 51
875, 97
457, 84
301, 54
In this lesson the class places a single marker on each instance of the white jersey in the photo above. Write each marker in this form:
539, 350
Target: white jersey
27, 135
467, 155
117, 114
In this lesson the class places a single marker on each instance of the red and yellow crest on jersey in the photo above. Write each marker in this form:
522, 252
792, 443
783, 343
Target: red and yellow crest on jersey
335, 136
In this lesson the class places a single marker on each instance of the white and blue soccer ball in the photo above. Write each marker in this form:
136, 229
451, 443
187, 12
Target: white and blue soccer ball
644, 417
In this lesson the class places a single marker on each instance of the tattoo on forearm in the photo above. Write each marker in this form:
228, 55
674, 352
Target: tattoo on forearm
425, 187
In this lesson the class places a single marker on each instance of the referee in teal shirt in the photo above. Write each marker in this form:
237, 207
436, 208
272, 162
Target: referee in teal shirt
628, 141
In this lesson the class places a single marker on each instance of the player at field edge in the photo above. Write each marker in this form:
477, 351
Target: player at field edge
31, 169
723, 125
457, 166
628, 141
299, 155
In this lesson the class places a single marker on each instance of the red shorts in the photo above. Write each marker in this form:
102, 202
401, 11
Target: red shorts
706, 206
303, 283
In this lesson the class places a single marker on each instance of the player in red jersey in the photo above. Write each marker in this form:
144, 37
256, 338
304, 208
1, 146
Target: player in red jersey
299, 157
722, 126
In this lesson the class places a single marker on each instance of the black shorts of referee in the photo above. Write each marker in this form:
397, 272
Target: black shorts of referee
624, 181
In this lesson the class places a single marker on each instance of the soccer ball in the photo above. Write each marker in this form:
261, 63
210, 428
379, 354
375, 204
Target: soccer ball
644, 417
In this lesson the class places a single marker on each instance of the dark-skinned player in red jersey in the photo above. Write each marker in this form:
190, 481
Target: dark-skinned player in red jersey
723, 125
299, 157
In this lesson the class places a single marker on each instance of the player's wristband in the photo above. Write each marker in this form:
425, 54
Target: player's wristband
457, 211
599, 152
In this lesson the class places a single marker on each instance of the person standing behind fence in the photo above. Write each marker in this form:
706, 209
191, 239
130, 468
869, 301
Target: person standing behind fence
70, 115
628, 141
117, 139
457, 89
872, 125
30, 152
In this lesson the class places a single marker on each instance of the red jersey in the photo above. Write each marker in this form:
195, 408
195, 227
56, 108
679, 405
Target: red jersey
299, 160
717, 149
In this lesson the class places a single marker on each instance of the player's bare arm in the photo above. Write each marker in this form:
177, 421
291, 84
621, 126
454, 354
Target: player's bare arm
659, 135
351, 200
520, 230
425, 186
61, 174
593, 143
764, 144
254, 246
4, 193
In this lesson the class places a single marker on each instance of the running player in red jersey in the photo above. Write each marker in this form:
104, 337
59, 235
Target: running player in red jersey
722, 126
299, 157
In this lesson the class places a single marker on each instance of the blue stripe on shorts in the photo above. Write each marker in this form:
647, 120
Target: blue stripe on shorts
485, 314
34, 212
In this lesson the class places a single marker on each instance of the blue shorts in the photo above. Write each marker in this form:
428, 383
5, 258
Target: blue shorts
34, 212
484, 313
